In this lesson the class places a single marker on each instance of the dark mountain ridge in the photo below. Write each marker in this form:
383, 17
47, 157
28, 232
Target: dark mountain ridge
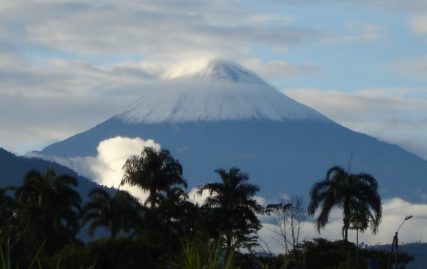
15, 167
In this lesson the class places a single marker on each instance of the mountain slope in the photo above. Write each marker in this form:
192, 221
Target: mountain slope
281, 157
13, 169
221, 115
218, 91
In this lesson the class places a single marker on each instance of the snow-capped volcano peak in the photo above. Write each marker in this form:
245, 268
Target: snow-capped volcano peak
216, 91
219, 70
214, 70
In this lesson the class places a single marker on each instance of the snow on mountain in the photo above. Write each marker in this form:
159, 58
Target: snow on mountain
220, 115
217, 91
213, 70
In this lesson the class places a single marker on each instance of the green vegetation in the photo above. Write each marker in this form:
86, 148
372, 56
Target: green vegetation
42, 219
202, 253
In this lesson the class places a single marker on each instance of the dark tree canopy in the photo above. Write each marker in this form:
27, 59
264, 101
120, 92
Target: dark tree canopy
48, 209
119, 212
153, 171
231, 208
356, 194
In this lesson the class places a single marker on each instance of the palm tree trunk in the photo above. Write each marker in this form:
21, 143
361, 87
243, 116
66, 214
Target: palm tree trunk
346, 221
357, 246
347, 246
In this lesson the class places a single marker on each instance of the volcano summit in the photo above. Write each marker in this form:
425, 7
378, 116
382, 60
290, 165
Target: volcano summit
219, 91
220, 115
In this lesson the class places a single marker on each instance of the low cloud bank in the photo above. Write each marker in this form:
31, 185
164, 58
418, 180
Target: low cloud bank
394, 212
106, 167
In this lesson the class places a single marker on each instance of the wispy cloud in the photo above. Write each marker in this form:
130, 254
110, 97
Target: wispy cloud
278, 69
356, 33
414, 6
418, 24
412, 67
88, 59
149, 26
394, 115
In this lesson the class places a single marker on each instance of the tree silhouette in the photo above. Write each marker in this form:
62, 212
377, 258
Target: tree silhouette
356, 194
155, 172
230, 210
119, 212
48, 209
181, 215
289, 215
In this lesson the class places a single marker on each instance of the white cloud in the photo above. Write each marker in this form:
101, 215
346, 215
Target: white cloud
112, 155
61, 98
10, 57
418, 24
394, 115
412, 7
357, 33
394, 212
198, 198
278, 69
106, 167
89, 59
266, 69
147, 27
42, 119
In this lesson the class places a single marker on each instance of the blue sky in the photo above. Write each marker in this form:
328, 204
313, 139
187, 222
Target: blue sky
68, 65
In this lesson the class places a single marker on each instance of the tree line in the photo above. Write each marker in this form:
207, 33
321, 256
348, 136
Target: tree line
43, 221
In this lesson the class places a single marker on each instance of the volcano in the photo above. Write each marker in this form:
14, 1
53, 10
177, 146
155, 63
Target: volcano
220, 115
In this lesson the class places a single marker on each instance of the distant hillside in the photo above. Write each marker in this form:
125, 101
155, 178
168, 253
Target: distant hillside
13, 169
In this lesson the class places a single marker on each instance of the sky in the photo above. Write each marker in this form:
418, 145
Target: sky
66, 66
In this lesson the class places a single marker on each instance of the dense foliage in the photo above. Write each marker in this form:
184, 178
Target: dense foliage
42, 220
230, 209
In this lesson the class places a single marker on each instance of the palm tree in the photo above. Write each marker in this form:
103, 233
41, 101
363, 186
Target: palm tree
48, 209
120, 212
356, 194
231, 209
153, 171
181, 215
